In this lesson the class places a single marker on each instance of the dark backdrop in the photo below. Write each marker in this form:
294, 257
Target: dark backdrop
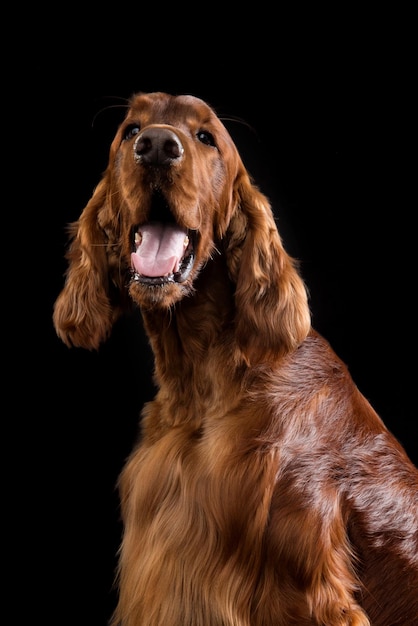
327, 136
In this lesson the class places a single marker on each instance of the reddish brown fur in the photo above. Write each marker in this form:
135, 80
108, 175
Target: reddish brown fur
264, 489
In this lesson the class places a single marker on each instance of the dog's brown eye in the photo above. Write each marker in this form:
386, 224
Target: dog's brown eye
131, 131
206, 137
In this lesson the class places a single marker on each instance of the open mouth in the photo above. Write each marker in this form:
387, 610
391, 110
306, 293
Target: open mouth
163, 253
162, 250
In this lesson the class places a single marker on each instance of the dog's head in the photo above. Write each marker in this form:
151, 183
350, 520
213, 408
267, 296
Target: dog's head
175, 193
170, 176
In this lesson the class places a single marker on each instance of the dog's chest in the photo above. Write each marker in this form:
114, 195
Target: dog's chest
190, 477
196, 514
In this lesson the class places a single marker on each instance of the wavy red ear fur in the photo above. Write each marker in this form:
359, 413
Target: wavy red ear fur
83, 314
271, 299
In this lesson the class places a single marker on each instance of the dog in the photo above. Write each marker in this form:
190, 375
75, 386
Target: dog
264, 489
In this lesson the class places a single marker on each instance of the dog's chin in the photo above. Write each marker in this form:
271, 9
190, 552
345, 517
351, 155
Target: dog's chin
158, 293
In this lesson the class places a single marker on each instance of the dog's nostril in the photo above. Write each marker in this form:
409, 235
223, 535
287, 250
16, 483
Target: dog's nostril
158, 146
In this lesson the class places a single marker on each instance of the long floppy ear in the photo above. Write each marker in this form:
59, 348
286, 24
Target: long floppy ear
84, 311
271, 300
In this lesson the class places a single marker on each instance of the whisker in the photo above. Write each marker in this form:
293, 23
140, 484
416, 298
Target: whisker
105, 245
125, 105
239, 120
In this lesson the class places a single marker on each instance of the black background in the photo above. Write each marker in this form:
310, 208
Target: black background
327, 102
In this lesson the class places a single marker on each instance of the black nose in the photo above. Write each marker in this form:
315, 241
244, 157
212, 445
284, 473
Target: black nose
158, 146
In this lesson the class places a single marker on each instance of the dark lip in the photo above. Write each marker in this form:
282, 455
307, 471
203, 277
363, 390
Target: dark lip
177, 277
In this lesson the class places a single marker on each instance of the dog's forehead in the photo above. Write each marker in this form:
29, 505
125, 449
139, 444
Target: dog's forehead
162, 108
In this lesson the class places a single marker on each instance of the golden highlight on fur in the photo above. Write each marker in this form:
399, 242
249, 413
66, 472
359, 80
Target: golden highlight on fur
264, 490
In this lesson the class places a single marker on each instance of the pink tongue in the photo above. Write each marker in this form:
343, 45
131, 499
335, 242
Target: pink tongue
160, 251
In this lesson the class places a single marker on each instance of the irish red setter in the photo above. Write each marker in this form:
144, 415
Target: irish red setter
264, 489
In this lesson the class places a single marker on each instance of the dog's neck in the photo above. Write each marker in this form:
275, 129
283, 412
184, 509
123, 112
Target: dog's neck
191, 339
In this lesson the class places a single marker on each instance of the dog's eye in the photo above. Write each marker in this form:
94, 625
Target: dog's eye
205, 137
131, 131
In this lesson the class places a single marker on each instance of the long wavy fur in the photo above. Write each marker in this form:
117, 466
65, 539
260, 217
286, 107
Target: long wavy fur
263, 490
